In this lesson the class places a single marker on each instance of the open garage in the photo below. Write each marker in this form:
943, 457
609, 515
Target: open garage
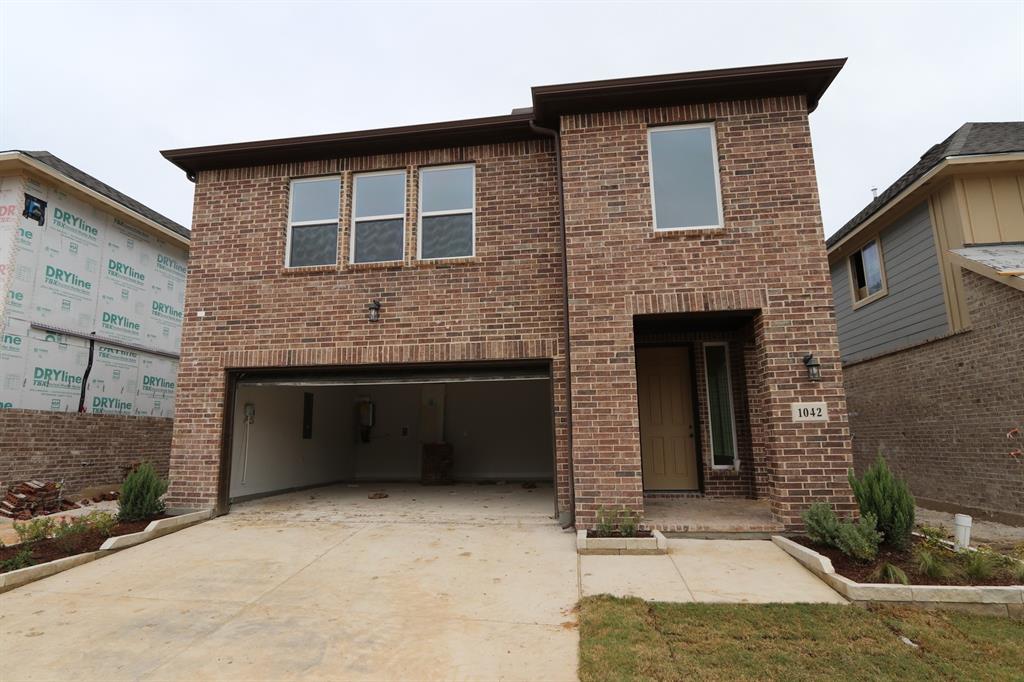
438, 425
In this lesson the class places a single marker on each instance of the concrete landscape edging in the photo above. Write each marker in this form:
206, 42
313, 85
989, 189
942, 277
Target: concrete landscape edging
656, 544
994, 600
155, 529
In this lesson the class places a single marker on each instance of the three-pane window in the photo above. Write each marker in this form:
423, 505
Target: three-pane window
313, 222
685, 191
378, 217
447, 203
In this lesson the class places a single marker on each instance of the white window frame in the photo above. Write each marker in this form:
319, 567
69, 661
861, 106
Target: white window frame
428, 214
718, 180
396, 216
858, 253
307, 223
735, 466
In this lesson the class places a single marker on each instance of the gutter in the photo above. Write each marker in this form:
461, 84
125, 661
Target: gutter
41, 167
557, 139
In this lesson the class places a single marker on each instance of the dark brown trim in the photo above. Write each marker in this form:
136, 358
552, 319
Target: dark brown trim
550, 103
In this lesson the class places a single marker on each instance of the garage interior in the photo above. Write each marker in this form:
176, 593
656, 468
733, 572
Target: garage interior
411, 425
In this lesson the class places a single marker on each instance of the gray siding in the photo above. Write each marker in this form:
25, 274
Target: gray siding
913, 311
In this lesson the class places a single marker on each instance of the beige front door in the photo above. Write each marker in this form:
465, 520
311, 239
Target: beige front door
664, 396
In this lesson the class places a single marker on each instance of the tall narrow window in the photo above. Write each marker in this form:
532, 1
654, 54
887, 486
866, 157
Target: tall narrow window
720, 408
313, 222
866, 273
685, 191
447, 217
378, 217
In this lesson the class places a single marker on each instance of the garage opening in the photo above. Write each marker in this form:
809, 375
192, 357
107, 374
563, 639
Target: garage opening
454, 424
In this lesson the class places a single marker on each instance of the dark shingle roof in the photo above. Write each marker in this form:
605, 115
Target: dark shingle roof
970, 138
83, 178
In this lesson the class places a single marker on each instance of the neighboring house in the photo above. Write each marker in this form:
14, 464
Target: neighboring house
92, 289
929, 299
614, 289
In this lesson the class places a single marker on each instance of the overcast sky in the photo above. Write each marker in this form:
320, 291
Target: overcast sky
106, 86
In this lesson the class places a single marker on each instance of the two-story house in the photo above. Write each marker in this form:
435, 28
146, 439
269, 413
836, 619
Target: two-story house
622, 289
928, 282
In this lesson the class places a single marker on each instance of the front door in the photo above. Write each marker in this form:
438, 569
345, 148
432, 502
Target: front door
664, 396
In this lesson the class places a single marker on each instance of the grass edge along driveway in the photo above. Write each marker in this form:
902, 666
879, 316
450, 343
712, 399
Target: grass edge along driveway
630, 639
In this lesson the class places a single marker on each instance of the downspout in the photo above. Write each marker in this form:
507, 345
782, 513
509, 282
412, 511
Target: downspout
557, 139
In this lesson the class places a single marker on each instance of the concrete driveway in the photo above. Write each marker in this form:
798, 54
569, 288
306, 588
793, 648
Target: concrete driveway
302, 587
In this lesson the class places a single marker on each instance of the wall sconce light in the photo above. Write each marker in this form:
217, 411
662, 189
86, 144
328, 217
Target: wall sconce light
374, 309
813, 367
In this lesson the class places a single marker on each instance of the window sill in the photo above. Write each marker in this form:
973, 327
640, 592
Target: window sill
442, 262
870, 299
378, 265
724, 471
691, 233
309, 270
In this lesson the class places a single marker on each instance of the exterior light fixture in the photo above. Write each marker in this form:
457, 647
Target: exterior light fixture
374, 309
813, 367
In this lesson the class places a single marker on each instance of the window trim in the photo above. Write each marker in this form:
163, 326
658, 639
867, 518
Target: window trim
429, 214
718, 179
307, 223
735, 466
881, 293
352, 232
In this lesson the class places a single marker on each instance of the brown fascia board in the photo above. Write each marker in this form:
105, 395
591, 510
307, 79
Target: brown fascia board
549, 103
770, 80
510, 128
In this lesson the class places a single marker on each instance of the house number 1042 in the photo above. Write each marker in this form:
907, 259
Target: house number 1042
810, 412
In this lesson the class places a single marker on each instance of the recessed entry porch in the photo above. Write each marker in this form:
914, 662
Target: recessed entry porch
695, 376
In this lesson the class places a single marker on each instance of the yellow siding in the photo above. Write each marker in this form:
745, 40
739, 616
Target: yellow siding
994, 208
945, 205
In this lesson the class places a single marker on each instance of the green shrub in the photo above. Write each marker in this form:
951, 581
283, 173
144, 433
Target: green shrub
889, 573
68, 532
101, 521
980, 565
881, 493
1017, 572
931, 564
859, 540
35, 530
856, 540
23, 559
822, 523
627, 523
605, 522
140, 494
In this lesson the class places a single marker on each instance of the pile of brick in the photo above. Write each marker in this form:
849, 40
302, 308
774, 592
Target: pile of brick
33, 498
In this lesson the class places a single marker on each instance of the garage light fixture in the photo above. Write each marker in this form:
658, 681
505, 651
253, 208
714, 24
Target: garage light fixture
374, 309
813, 367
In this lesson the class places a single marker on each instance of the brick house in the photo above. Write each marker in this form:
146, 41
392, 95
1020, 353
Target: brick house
622, 289
928, 282
92, 292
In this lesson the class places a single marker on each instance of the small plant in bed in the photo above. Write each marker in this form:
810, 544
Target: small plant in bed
140, 494
621, 524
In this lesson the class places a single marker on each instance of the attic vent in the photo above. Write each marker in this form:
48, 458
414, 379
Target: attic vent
35, 209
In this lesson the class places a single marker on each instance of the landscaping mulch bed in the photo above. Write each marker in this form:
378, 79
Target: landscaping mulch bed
90, 541
904, 559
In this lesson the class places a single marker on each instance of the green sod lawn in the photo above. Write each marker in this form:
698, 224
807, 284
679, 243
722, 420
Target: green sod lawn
630, 639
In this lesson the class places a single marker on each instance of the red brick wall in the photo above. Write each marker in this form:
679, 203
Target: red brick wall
770, 257
81, 449
505, 303
939, 412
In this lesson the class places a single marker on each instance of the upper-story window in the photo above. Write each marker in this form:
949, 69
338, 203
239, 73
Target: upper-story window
685, 191
447, 212
867, 274
313, 222
378, 217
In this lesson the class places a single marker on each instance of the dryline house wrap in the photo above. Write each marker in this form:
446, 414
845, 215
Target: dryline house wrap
92, 300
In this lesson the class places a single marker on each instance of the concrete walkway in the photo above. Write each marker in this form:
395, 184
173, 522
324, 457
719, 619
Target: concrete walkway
473, 582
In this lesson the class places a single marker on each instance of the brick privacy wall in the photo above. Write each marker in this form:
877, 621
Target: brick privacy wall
770, 256
505, 303
82, 449
719, 482
939, 412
